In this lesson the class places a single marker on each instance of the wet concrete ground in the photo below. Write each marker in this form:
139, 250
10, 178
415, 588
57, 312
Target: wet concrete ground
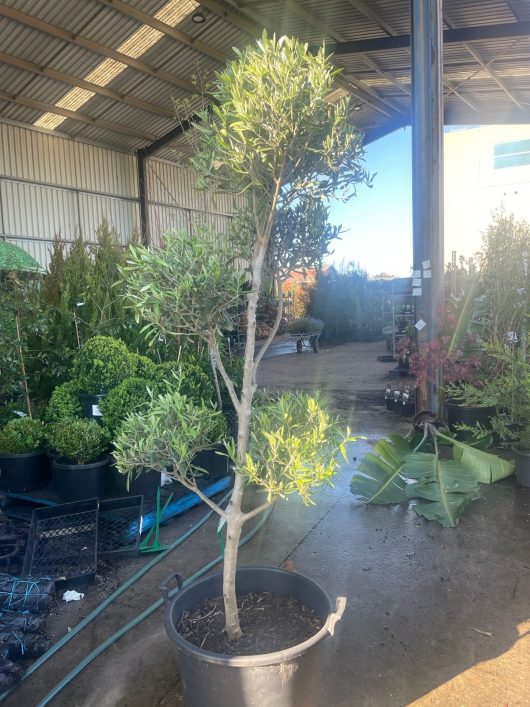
435, 616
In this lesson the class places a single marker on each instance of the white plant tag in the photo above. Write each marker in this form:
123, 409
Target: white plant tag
420, 324
96, 412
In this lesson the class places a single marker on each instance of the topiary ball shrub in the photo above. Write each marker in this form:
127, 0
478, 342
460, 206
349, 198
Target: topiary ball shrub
102, 364
142, 367
79, 441
22, 436
187, 377
131, 395
64, 404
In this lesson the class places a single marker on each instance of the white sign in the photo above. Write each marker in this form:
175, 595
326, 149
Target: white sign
416, 273
420, 324
416, 292
416, 282
96, 412
427, 274
426, 264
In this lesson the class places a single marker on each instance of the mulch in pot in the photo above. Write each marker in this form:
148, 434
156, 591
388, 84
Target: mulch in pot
269, 622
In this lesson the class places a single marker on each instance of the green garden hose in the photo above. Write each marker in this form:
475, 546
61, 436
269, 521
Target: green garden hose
110, 599
139, 618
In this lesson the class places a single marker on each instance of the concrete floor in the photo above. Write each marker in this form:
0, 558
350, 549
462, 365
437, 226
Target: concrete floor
435, 616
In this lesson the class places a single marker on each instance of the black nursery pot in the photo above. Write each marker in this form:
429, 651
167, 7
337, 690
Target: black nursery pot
522, 467
390, 404
215, 464
288, 678
146, 484
77, 482
24, 472
468, 414
407, 409
90, 405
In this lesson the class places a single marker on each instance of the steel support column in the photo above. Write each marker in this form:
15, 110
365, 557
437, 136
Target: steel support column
142, 194
427, 176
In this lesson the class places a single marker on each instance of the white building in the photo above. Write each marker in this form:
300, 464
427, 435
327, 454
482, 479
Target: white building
485, 168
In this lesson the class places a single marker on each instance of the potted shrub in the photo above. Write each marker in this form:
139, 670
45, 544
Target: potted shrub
101, 364
131, 395
23, 462
82, 468
272, 135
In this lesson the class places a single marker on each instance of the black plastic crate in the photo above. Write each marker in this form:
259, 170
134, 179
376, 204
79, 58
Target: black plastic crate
62, 543
120, 525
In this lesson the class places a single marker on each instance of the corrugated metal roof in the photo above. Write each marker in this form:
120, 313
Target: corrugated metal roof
385, 72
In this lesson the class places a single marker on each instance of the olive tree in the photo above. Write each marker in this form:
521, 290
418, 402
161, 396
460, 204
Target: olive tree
273, 135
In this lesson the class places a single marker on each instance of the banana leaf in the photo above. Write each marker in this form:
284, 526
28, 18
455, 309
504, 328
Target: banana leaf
377, 479
486, 467
447, 485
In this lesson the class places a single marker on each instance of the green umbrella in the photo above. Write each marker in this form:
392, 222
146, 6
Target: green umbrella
14, 258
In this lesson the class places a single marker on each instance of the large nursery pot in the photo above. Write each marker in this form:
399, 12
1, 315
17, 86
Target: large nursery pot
24, 472
522, 466
467, 414
145, 484
77, 482
90, 405
287, 678
215, 464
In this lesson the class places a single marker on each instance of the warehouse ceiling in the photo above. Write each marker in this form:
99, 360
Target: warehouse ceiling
112, 72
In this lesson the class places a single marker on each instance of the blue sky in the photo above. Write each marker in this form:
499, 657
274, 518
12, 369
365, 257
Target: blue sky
378, 222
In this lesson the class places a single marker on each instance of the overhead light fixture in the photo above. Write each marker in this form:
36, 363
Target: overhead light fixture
198, 18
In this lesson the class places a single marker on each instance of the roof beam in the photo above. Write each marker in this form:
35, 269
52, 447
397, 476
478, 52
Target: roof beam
166, 29
87, 85
75, 115
365, 10
475, 54
506, 30
79, 41
234, 17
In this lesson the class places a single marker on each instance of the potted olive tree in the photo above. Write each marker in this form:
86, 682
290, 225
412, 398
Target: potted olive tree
275, 135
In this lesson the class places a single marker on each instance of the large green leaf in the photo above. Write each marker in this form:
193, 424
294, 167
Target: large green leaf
377, 479
485, 467
447, 486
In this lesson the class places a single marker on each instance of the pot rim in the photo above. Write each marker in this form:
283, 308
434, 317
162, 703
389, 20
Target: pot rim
258, 659
6, 455
63, 463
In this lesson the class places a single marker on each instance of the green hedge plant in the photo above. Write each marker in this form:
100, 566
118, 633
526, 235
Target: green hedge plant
79, 441
129, 396
64, 403
22, 436
101, 364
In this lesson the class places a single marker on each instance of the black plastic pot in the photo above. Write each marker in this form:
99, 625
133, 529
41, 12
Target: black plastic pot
522, 467
288, 678
77, 482
90, 405
468, 414
24, 472
146, 484
407, 409
390, 404
215, 464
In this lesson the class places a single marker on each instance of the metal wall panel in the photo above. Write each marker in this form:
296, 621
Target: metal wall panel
35, 211
93, 208
51, 159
